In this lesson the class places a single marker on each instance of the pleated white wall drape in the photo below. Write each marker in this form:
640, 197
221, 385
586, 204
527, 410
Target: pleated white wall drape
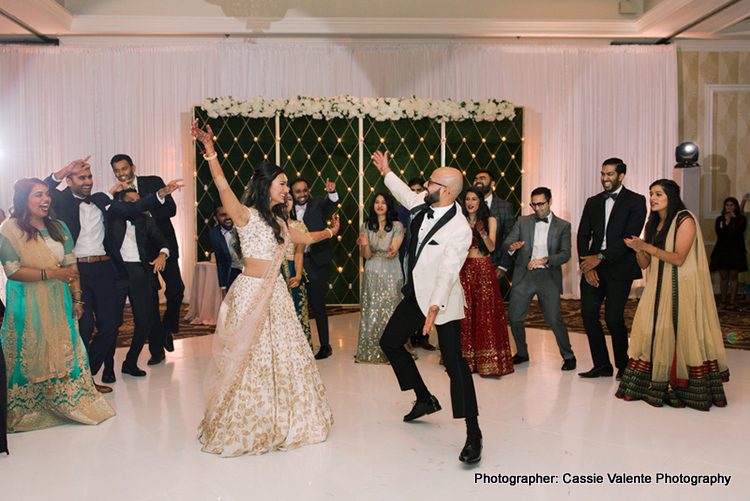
581, 105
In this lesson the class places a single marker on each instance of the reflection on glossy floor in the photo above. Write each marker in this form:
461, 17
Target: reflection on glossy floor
538, 420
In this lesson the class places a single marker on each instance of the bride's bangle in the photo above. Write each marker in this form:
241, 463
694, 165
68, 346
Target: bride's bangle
210, 157
330, 233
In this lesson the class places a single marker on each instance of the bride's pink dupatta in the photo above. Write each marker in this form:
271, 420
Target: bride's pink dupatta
235, 337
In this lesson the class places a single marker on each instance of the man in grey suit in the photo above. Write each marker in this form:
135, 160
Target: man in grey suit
501, 210
543, 244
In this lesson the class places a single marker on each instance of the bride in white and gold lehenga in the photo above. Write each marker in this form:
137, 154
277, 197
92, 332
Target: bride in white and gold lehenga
264, 391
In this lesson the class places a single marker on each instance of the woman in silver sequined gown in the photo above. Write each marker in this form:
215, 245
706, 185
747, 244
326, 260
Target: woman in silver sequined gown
379, 241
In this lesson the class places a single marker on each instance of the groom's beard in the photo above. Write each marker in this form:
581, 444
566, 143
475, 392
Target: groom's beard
432, 198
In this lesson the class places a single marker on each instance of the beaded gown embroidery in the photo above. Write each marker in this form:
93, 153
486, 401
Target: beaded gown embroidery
484, 329
276, 400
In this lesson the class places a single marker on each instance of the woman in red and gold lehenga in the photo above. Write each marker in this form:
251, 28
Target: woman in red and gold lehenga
484, 330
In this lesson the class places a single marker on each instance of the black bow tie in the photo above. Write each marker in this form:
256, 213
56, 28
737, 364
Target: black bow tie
430, 212
542, 220
613, 196
84, 200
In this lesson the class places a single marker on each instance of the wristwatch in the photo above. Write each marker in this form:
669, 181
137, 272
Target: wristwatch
600, 256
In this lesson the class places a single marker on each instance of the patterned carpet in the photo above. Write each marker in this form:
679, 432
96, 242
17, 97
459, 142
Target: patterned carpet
733, 323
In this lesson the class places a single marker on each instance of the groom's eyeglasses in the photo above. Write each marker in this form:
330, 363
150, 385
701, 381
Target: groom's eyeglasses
539, 205
430, 181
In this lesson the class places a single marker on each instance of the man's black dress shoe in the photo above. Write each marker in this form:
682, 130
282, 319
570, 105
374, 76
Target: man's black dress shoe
133, 370
324, 352
168, 341
599, 371
472, 451
518, 359
108, 376
422, 408
569, 364
155, 359
618, 377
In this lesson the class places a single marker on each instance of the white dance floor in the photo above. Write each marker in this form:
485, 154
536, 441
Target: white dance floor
536, 422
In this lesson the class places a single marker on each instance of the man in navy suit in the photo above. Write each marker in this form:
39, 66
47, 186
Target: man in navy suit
608, 265
314, 212
226, 246
139, 251
124, 170
86, 217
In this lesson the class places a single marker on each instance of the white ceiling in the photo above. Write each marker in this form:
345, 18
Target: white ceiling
530, 21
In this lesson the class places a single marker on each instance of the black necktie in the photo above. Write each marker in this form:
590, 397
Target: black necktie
84, 200
542, 220
613, 196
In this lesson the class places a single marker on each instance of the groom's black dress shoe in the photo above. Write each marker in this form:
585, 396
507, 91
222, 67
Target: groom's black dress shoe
155, 359
422, 408
168, 341
598, 371
324, 352
133, 370
472, 451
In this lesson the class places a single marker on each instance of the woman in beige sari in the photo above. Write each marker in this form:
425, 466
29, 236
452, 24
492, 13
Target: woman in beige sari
264, 391
676, 350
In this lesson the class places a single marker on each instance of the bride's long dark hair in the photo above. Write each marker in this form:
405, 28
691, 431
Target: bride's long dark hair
257, 194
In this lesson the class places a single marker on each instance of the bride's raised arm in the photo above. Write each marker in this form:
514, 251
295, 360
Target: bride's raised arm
229, 200
315, 236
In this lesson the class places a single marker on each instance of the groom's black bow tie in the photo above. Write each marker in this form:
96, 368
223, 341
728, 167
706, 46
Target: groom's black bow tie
542, 220
613, 196
430, 212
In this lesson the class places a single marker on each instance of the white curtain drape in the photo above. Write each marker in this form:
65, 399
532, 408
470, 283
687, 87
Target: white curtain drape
581, 105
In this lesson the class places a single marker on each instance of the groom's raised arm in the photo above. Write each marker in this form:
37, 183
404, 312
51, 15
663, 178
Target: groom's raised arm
400, 190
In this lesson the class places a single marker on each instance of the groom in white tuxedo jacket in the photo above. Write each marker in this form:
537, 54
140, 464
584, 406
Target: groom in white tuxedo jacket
437, 243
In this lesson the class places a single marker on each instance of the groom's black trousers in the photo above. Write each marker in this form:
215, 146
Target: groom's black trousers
406, 319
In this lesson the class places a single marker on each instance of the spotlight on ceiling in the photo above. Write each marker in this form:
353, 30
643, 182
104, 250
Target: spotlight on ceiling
686, 156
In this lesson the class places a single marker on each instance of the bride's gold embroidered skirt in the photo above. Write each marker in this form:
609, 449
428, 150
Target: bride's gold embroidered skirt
276, 400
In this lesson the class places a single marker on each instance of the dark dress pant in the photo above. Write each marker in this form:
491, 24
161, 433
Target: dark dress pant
99, 286
403, 323
140, 288
174, 292
614, 295
317, 287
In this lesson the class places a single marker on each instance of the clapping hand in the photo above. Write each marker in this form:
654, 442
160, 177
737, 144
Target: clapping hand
363, 240
480, 229
391, 252
635, 243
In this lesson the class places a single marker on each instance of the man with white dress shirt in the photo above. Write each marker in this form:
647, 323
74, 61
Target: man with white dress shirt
226, 246
85, 214
542, 244
314, 212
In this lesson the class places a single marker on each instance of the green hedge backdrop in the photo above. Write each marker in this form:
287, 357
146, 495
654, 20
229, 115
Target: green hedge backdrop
318, 149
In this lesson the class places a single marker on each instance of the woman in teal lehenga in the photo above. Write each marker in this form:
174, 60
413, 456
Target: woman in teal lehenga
294, 273
49, 382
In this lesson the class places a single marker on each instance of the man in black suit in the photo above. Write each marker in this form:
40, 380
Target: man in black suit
608, 265
85, 214
124, 170
314, 212
226, 246
502, 211
139, 251
542, 242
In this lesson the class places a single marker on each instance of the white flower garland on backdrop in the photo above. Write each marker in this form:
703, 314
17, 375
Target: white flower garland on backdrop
381, 109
